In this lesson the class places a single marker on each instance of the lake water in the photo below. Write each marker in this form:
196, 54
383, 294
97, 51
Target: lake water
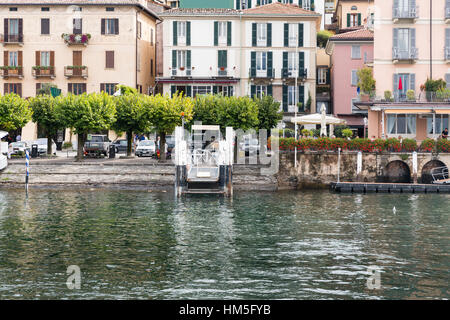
285, 245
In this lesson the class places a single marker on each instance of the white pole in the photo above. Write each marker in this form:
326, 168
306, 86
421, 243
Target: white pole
339, 164
296, 96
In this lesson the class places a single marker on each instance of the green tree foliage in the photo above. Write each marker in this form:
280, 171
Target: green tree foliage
14, 112
206, 109
86, 113
366, 82
322, 38
165, 113
46, 115
125, 90
434, 85
268, 112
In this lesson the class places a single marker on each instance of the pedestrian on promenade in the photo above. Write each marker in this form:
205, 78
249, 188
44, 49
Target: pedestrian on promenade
445, 133
18, 138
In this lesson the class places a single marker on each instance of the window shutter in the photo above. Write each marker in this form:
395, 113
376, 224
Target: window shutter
20, 34
447, 80
286, 34
174, 59
269, 90
38, 87
38, 58
229, 33
216, 33
52, 58
300, 34
5, 29
312, 5
412, 81
175, 33
188, 33
348, 20
5, 89
103, 27
412, 35
395, 85
249, 4
359, 19
102, 87
238, 4
5, 62
188, 91
45, 26
173, 90
214, 89
300, 3
253, 34
285, 98
253, 64
258, 2
328, 80
285, 64
301, 96
116, 26
19, 89
69, 87
395, 39
109, 59
317, 75
301, 61
270, 72
188, 59
269, 35
252, 91
447, 38
224, 58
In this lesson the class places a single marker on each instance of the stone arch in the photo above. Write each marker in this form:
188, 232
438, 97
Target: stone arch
426, 170
397, 171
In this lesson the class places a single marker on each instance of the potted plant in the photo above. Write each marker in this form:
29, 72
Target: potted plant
388, 96
432, 86
366, 83
181, 68
410, 95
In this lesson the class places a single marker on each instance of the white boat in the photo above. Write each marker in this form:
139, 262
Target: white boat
3, 151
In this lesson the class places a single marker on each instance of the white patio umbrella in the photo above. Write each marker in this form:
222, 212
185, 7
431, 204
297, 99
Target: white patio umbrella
316, 118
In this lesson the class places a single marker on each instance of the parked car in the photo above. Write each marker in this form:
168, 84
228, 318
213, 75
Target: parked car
42, 146
146, 148
121, 145
97, 145
18, 148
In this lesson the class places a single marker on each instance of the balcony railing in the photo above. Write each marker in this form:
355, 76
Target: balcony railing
13, 72
442, 96
405, 54
76, 72
405, 13
43, 72
11, 39
182, 72
222, 72
76, 39
287, 74
269, 73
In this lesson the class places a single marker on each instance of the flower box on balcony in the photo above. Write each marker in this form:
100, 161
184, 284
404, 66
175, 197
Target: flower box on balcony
75, 39
182, 68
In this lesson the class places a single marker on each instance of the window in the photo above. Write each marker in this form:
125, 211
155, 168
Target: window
181, 58
222, 32
111, 26
293, 35
45, 58
354, 20
77, 26
173, 4
199, 90
13, 59
13, 9
292, 95
261, 34
77, 88
354, 8
13, 27
45, 26
401, 123
403, 39
45, 9
322, 79
354, 78
292, 61
108, 88
13, 88
109, 59
354, 108
151, 67
227, 91
181, 29
260, 91
261, 61
306, 4
263, 2
109, 9
356, 52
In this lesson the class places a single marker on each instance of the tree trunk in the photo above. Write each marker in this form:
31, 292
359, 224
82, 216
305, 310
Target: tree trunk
162, 146
49, 145
80, 146
129, 142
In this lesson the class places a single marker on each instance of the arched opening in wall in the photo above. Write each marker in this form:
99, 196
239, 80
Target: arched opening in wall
440, 171
397, 172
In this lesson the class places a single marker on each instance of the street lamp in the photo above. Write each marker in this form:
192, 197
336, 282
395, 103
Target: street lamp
365, 126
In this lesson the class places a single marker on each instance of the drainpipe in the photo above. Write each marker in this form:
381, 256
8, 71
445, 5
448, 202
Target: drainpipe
156, 56
431, 39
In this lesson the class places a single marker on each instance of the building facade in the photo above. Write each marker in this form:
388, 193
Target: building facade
350, 52
269, 49
408, 50
352, 13
79, 46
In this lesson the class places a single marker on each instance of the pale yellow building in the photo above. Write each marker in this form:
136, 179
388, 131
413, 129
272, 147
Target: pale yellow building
77, 45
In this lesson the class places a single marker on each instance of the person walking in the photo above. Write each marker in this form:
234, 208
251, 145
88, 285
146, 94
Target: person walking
445, 133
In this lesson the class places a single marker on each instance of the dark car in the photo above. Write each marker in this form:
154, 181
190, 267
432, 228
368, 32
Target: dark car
121, 145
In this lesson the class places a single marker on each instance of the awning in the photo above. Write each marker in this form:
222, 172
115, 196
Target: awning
409, 111
442, 111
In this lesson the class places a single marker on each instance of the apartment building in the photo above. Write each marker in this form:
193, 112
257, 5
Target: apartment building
350, 14
411, 44
169, 3
261, 50
77, 45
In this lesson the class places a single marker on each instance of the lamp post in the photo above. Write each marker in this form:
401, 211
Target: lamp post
365, 126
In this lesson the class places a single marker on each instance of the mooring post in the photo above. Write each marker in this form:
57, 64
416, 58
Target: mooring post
414, 167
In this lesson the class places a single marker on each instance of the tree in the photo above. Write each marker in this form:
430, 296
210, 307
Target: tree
131, 116
165, 113
86, 113
14, 112
238, 112
322, 38
125, 90
206, 109
268, 112
46, 116
366, 82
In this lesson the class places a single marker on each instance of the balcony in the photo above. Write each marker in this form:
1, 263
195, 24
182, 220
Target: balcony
405, 55
11, 72
43, 72
182, 72
12, 39
262, 74
76, 72
291, 74
405, 14
76, 39
222, 72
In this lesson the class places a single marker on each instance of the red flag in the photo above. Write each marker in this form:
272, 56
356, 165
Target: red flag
400, 85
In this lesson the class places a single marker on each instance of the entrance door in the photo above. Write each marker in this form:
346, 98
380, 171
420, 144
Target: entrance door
77, 62
181, 90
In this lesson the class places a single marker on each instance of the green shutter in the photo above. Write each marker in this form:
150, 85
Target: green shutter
301, 96
252, 91
249, 4
301, 61
285, 65
222, 58
300, 34
174, 59
173, 90
312, 5
269, 35
348, 20
286, 34
188, 33
258, 2
328, 76
253, 64
285, 98
188, 59
238, 4
253, 34
229, 33
300, 3
270, 72
359, 19
216, 33
188, 91
269, 90
175, 34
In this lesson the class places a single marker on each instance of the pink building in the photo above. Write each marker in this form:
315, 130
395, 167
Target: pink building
349, 52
